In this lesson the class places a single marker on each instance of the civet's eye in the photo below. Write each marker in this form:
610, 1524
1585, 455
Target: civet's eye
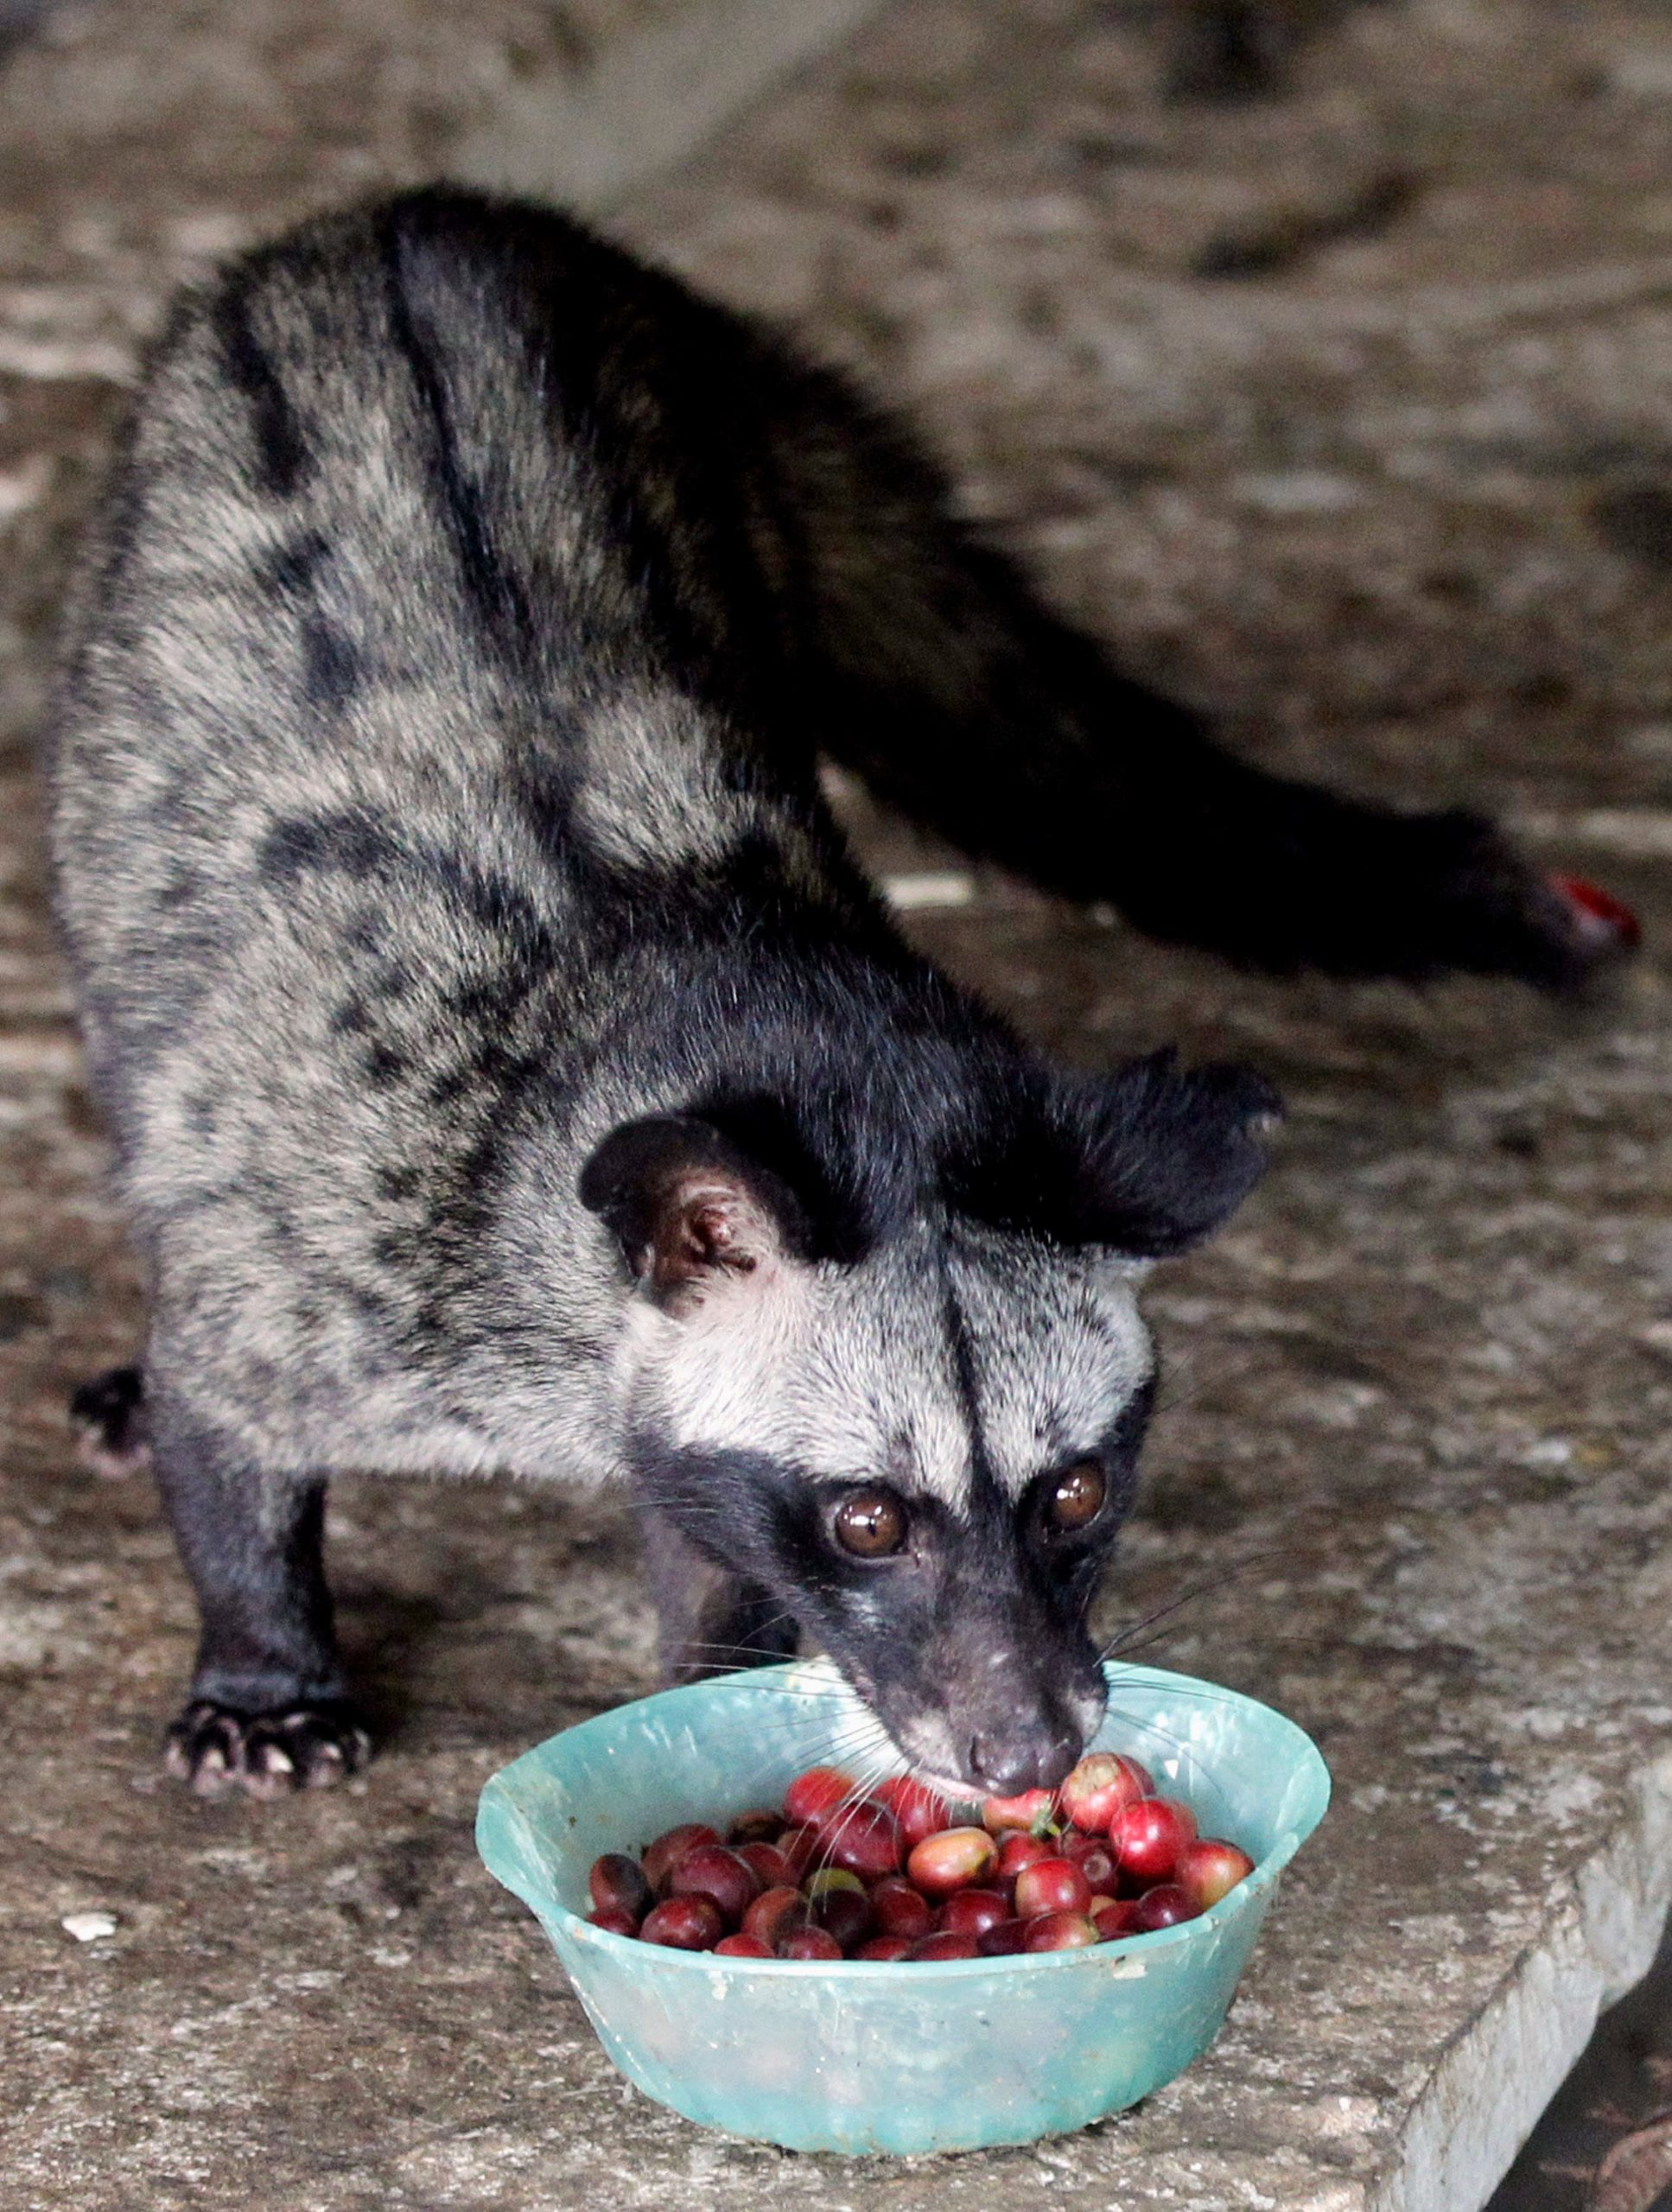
1076, 1498
870, 1523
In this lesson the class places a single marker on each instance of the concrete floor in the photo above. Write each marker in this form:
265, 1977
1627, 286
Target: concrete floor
1349, 414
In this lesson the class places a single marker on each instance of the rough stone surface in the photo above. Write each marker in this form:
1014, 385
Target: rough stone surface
1347, 414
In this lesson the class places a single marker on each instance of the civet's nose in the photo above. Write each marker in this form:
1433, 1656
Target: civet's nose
1018, 1755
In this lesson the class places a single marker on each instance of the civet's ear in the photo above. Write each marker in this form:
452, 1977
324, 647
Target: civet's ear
689, 1209
1165, 1155
1147, 1161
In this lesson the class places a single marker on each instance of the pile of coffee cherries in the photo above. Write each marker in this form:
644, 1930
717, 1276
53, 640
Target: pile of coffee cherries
899, 1873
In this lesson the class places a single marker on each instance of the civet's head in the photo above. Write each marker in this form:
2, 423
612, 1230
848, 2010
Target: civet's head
914, 1422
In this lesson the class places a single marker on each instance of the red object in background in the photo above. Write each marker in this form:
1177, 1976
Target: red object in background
1600, 913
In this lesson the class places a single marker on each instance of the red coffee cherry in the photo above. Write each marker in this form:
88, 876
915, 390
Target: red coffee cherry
800, 1846
1051, 1886
972, 1912
1030, 1812
823, 1881
1059, 1931
684, 1924
1100, 1786
754, 1827
900, 1909
818, 1791
1148, 1836
774, 1913
1019, 1849
809, 1942
1002, 1940
918, 1810
944, 1945
1095, 1860
1164, 1906
618, 1884
711, 1871
768, 1865
956, 1859
619, 1923
864, 1837
664, 1854
1114, 1918
1210, 1869
848, 1915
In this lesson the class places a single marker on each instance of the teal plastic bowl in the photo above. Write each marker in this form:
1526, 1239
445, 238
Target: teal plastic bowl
863, 2058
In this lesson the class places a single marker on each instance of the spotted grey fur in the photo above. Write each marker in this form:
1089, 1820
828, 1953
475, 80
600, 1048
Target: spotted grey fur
508, 1068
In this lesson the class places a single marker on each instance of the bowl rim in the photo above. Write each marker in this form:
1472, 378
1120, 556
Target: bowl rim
558, 1917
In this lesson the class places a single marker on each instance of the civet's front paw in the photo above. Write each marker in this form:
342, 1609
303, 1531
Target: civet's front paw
216, 1750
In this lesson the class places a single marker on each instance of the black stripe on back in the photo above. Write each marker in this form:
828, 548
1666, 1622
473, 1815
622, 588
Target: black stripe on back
497, 594
280, 448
